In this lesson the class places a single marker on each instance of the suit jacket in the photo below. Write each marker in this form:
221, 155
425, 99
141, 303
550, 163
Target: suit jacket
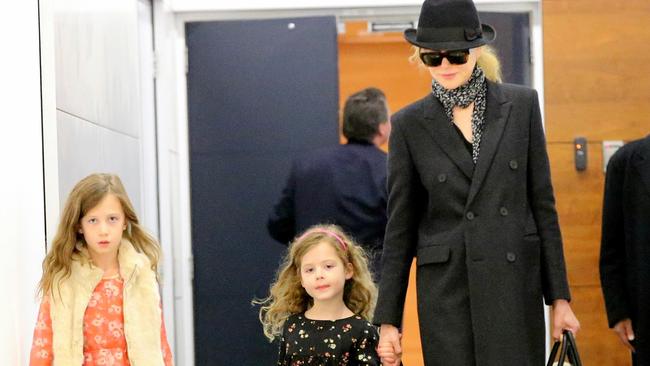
343, 185
486, 237
625, 245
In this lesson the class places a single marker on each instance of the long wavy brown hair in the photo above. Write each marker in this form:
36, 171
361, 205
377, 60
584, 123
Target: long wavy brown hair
287, 296
85, 195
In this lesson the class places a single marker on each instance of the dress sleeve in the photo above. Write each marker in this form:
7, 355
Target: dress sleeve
41, 353
166, 351
282, 348
364, 352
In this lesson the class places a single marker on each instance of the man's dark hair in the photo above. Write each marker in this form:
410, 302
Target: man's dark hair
362, 114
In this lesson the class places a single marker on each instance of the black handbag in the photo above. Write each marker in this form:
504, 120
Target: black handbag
568, 351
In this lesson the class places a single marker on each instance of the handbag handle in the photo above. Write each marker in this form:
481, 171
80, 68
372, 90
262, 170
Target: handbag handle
569, 350
574, 357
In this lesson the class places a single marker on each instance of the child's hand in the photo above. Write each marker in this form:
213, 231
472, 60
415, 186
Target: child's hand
389, 348
387, 355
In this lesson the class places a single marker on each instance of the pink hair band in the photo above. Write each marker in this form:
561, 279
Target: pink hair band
344, 245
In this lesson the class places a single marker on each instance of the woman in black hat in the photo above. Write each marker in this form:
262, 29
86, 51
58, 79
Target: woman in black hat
470, 196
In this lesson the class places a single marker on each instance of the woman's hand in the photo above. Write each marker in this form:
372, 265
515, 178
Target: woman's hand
625, 332
563, 318
389, 348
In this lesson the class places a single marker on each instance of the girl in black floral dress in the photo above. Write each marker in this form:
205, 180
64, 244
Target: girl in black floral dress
321, 303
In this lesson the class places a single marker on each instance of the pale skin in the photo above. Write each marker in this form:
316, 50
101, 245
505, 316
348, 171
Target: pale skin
451, 77
383, 132
102, 227
625, 333
323, 275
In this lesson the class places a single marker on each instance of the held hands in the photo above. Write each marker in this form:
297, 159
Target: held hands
389, 348
563, 318
625, 332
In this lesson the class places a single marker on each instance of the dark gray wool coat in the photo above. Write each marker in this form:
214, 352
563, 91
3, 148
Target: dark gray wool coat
486, 237
625, 247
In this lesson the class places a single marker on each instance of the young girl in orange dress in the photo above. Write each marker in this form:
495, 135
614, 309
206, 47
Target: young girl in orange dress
100, 298
322, 301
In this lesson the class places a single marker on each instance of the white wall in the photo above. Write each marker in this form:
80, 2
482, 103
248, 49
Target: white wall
174, 200
23, 213
98, 92
177, 279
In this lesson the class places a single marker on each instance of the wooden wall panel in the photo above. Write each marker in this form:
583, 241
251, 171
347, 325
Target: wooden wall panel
596, 120
578, 198
380, 60
412, 348
598, 345
597, 85
597, 78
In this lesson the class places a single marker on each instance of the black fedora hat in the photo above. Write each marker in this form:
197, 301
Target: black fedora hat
449, 25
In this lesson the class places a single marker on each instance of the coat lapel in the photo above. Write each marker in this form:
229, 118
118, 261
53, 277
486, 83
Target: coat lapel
436, 122
641, 162
496, 117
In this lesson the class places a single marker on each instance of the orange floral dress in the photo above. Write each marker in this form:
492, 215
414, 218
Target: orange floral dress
104, 341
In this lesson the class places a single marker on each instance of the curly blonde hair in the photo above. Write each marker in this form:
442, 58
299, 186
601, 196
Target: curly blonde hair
287, 296
85, 195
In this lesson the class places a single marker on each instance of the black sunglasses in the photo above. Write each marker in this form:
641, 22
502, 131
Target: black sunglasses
434, 58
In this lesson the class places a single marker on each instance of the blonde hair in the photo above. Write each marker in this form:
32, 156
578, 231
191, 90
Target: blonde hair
85, 195
488, 62
287, 296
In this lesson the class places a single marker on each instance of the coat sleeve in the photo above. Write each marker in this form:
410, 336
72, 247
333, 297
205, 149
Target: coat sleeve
612, 247
542, 203
282, 221
404, 197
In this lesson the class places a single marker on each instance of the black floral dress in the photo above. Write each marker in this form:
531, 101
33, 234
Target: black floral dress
345, 342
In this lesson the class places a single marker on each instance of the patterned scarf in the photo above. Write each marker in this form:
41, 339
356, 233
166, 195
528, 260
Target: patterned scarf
473, 91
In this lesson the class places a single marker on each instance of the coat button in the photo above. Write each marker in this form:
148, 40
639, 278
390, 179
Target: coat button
513, 164
503, 211
470, 215
442, 178
511, 257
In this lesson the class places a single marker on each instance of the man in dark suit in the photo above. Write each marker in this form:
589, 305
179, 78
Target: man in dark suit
625, 247
344, 184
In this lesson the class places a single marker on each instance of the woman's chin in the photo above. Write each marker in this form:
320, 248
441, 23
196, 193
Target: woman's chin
450, 85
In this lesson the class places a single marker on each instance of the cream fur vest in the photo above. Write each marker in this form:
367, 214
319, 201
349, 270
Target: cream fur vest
141, 308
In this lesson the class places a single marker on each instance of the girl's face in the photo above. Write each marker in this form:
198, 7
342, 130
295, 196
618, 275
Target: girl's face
102, 227
323, 273
452, 76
